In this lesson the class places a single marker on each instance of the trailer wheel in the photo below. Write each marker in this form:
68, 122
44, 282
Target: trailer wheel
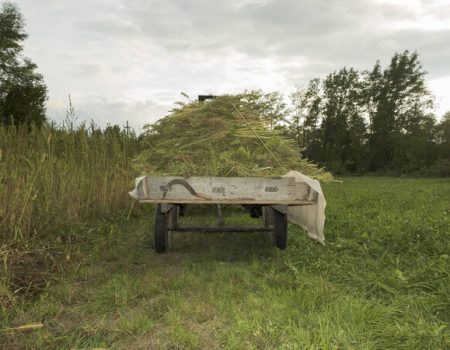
280, 229
161, 230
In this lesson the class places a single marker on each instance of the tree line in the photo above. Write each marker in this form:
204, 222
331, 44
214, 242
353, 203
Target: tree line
378, 120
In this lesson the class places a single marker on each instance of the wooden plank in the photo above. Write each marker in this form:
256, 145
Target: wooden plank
226, 190
267, 216
230, 202
166, 207
281, 208
222, 229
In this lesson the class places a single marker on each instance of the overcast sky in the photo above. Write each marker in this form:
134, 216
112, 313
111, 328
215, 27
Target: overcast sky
130, 59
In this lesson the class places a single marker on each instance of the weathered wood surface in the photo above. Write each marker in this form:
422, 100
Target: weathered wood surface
224, 190
221, 229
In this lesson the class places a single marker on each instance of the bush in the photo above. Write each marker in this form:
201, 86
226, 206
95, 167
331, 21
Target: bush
440, 168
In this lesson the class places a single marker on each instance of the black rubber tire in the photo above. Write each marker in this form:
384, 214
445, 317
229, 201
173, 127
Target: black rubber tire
161, 231
280, 229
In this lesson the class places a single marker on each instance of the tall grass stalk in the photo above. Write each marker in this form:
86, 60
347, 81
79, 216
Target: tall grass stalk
50, 177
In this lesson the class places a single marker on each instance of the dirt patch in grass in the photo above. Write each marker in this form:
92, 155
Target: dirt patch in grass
29, 272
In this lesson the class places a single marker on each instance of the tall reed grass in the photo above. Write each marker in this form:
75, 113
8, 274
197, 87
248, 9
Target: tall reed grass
51, 177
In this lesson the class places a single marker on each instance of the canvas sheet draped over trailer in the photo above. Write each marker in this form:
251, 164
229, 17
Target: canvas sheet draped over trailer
303, 195
310, 217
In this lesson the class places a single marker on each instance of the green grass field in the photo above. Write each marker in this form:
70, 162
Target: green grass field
381, 282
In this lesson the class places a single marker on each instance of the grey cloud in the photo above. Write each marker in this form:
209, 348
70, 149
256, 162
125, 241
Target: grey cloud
107, 27
338, 32
440, 11
396, 12
433, 47
85, 69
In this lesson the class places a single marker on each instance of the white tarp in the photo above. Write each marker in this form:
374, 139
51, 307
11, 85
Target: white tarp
310, 217
134, 192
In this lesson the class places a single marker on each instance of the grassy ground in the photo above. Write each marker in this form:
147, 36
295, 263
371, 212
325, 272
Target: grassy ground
381, 282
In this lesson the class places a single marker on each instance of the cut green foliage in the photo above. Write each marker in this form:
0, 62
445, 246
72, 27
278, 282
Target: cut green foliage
227, 136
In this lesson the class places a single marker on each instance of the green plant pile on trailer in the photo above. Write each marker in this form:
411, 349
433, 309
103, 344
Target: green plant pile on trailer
227, 136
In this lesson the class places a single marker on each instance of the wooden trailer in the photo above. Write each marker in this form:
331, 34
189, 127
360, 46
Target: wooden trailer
273, 194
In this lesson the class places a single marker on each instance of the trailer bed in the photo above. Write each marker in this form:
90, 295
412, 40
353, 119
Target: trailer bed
270, 195
223, 190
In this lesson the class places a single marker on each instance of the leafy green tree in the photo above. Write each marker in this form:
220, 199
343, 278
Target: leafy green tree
333, 129
292, 126
371, 83
23, 92
303, 126
398, 102
342, 123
